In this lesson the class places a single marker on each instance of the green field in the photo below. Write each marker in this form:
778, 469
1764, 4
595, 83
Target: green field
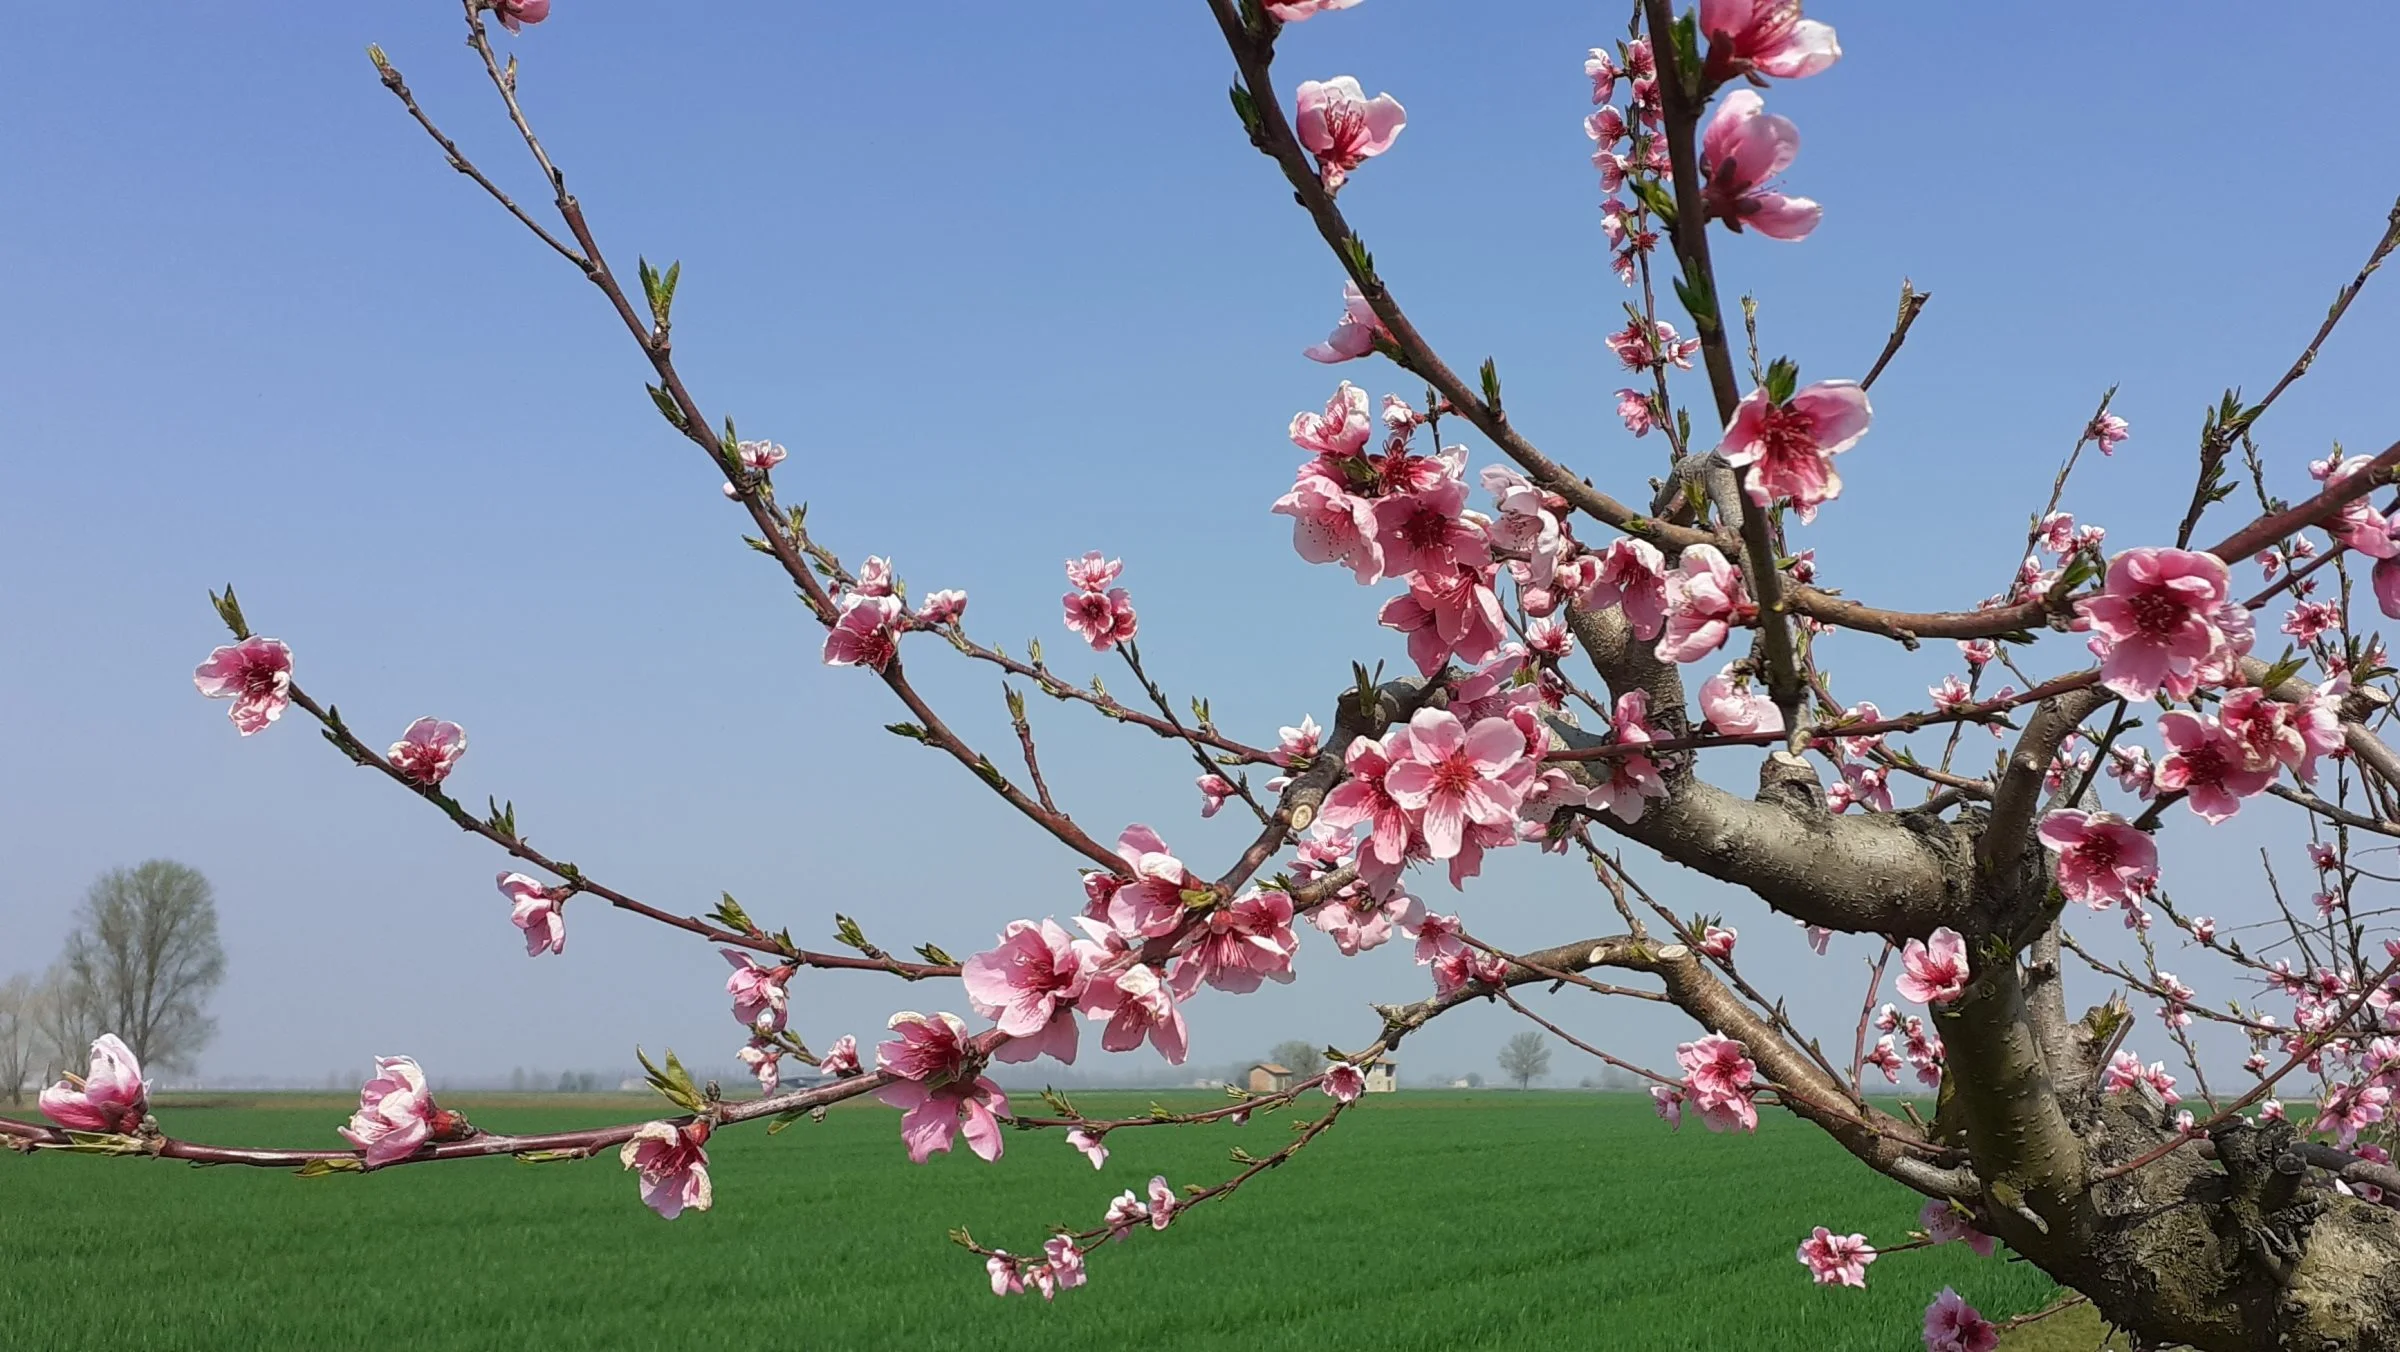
1429, 1220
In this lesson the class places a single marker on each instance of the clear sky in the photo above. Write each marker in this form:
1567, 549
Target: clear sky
1010, 284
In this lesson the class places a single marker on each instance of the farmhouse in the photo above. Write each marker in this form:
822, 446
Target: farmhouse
1383, 1077
1268, 1078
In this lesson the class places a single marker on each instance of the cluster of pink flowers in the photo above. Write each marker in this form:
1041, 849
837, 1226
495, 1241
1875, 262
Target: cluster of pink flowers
1718, 1080
1099, 612
869, 618
2125, 1070
1952, 1325
937, 1085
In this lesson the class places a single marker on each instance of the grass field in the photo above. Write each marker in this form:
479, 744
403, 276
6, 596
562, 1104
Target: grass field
1423, 1221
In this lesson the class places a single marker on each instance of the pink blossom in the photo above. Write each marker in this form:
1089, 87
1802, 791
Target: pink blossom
1103, 620
1634, 408
1602, 70
1819, 937
1423, 532
759, 998
1342, 127
515, 14
1437, 937
1094, 573
1704, 600
1331, 524
841, 1058
1944, 1223
1028, 986
764, 1056
1241, 944
2206, 762
941, 607
1125, 1211
1293, 11
2348, 1109
874, 578
1861, 785
1952, 1325
111, 1096
1162, 1202
539, 911
1765, 36
672, 1161
866, 634
1341, 431
1836, 1259
1358, 922
1064, 1271
2310, 620
1151, 903
1138, 1005
1452, 774
1633, 574
1632, 780
1885, 1057
758, 456
2204, 929
2125, 1070
1453, 614
2107, 429
1743, 147
2156, 620
256, 674
2271, 1110
1718, 943
2101, 857
396, 1112
427, 750
1668, 1104
1344, 1082
1006, 1279
2386, 581
1717, 1075
935, 1090
1643, 346
1977, 652
1214, 790
1934, 973
1734, 708
1089, 1142
1355, 335
1362, 797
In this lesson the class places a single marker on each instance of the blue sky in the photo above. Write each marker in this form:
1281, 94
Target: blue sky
1010, 285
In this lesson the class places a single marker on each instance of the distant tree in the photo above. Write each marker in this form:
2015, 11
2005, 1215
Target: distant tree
19, 1041
1525, 1058
1300, 1058
65, 1020
1474, 1079
144, 954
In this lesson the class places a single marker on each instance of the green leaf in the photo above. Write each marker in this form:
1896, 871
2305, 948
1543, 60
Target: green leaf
674, 1082
731, 913
230, 611
2284, 669
909, 730
1783, 377
935, 954
847, 933
551, 1156
1687, 52
1245, 108
1361, 261
320, 1168
1654, 195
1491, 384
99, 1143
667, 407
